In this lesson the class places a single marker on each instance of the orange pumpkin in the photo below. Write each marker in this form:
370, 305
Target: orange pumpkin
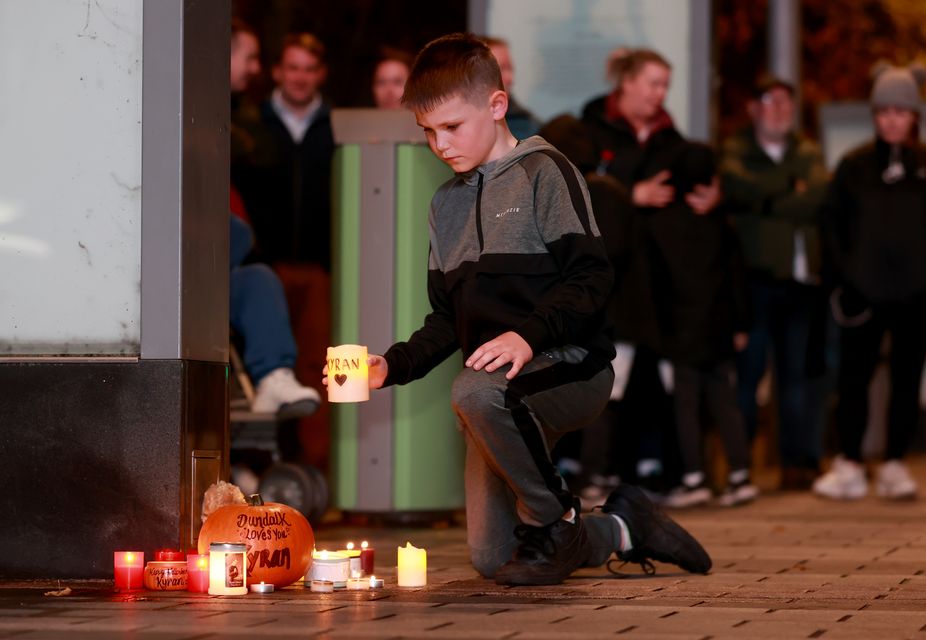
279, 539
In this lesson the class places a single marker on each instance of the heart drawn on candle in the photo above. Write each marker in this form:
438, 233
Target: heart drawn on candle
340, 378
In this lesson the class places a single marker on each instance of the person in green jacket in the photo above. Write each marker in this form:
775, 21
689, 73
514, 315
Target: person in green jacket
773, 181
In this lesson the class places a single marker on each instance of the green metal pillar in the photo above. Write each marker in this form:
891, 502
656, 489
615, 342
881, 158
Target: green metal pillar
400, 452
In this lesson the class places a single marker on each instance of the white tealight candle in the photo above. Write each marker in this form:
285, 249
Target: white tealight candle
263, 587
348, 374
413, 566
322, 586
358, 584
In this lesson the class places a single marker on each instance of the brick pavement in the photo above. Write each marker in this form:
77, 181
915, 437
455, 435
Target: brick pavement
788, 566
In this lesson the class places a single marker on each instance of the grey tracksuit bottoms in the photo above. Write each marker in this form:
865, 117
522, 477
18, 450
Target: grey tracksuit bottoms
510, 428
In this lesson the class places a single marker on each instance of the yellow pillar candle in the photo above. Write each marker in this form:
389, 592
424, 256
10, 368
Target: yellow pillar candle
413, 566
348, 374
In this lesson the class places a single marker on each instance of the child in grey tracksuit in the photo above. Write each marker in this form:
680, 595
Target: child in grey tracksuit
514, 247
517, 279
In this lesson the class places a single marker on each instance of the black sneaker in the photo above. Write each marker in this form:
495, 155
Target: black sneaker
546, 555
654, 535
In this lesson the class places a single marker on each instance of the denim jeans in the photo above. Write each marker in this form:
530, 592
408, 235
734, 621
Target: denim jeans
258, 311
782, 326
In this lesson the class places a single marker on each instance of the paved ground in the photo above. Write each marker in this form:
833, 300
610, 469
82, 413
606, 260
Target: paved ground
788, 566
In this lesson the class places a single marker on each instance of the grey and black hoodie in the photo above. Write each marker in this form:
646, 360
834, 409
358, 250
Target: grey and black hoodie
514, 247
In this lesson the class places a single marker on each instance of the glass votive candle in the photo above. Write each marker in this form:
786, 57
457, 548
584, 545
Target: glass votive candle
197, 573
356, 561
129, 569
367, 556
331, 566
228, 569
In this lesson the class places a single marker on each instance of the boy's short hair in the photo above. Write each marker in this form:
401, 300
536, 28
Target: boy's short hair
305, 41
457, 64
629, 64
492, 41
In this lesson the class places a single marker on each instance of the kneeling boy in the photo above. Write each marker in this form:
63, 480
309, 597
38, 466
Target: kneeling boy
517, 279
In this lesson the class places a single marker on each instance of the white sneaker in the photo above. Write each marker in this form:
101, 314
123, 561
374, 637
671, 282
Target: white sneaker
280, 393
844, 481
683, 496
895, 481
737, 494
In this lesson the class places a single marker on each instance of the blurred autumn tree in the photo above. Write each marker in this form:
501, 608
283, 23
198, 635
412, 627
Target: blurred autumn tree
840, 42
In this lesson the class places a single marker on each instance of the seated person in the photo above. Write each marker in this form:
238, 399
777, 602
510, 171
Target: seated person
259, 314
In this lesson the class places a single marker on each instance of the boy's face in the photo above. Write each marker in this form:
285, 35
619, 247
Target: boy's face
464, 134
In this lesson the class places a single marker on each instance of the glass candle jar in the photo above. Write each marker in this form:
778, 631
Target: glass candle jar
227, 569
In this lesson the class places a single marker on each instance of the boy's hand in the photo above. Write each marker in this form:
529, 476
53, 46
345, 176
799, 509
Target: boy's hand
508, 347
654, 192
704, 197
378, 369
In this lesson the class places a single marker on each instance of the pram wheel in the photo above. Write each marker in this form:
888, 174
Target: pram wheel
302, 487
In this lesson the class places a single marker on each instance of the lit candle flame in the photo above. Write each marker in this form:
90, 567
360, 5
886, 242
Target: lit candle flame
364, 544
130, 557
350, 546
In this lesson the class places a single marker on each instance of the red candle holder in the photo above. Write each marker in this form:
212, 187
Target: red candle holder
129, 569
197, 570
367, 556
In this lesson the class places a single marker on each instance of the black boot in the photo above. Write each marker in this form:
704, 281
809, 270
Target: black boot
653, 534
546, 555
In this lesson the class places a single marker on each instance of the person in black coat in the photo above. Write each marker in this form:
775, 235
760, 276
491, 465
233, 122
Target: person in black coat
681, 296
874, 224
286, 180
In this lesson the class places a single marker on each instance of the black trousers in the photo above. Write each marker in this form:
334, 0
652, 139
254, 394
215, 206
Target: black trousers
860, 348
716, 385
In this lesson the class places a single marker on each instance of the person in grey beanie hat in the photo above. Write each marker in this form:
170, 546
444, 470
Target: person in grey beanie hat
874, 220
897, 86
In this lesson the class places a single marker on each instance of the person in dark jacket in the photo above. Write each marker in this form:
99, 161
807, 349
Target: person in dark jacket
521, 122
286, 182
874, 217
636, 142
773, 183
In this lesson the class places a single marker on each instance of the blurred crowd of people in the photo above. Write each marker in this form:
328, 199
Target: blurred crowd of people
729, 264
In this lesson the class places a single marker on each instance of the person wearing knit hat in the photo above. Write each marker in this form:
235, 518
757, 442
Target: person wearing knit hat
897, 87
874, 218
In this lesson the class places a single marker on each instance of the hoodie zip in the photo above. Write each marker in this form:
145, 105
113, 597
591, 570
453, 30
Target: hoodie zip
479, 211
